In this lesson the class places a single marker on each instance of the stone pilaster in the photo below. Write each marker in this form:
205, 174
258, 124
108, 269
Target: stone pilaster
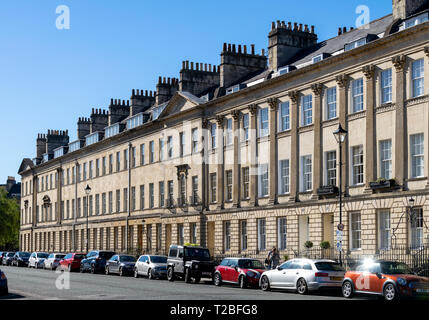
204, 166
253, 156
371, 145
59, 211
294, 159
427, 140
343, 83
220, 162
236, 167
272, 176
317, 151
401, 153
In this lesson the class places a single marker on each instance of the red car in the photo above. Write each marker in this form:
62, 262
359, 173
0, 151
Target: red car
385, 278
71, 261
243, 271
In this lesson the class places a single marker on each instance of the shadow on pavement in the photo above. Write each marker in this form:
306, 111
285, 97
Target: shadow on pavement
11, 296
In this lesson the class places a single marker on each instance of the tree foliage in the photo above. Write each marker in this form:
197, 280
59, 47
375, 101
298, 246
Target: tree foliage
9, 221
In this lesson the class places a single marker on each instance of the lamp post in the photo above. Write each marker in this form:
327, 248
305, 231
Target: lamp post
87, 192
340, 135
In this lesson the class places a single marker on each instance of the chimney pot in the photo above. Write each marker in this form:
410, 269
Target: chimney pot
273, 25
252, 46
245, 49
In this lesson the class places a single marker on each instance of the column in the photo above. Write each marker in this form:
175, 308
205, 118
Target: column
59, 212
273, 103
343, 83
400, 123
371, 145
220, 163
317, 152
236, 167
253, 171
204, 166
294, 159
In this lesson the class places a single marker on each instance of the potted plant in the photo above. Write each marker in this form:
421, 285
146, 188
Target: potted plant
382, 183
325, 245
327, 191
308, 244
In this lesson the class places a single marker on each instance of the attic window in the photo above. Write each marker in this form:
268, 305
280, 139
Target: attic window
111, 130
320, 57
235, 88
73, 146
59, 152
135, 121
355, 44
415, 21
285, 70
157, 111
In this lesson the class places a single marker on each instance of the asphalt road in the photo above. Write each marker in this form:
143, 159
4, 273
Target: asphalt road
25, 283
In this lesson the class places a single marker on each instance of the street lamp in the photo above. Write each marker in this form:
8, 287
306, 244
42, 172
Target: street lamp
340, 135
87, 192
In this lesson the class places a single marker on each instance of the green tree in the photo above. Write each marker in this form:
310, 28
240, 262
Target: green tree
9, 221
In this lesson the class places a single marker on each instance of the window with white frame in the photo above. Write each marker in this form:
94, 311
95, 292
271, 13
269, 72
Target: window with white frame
263, 122
331, 168
357, 95
331, 103
355, 230
182, 143
151, 151
306, 173
151, 195
384, 229
243, 235
227, 235
228, 174
194, 140
282, 233
284, 176
213, 187
161, 194
417, 155
170, 147
246, 181
417, 78
386, 86
261, 235
228, 137
414, 21
284, 116
357, 165
416, 226
307, 110
263, 180
386, 159
213, 135
246, 126
195, 189
161, 149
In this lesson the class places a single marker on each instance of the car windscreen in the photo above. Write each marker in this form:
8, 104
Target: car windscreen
106, 255
79, 256
10, 254
24, 254
157, 259
42, 255
395, 268
60, 256
197, 254
127, 259
250, 264
329, 266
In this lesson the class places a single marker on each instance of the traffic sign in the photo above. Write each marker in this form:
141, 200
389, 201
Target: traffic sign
340, 226
339, 246
339, 235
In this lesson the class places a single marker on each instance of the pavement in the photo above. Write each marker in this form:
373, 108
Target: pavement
39, 284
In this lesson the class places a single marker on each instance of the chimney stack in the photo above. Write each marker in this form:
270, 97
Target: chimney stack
83, 127
166, 89
199, 80
99, 119
118, 111
404, 8
140, 101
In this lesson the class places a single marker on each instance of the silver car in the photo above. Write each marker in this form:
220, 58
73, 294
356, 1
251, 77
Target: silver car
303, 275
37, 259
151, 266
53, 261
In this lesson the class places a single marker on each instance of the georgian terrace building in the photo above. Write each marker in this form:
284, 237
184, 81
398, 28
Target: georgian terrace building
241, 157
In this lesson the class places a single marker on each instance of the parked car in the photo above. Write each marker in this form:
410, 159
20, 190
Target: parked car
151, 266
71, 261
7, 258
121, 263
20, 259
242, 271
95, 261
385, 278
2, 254
37, 259
189, 263
53, 261
3, 284
303, 275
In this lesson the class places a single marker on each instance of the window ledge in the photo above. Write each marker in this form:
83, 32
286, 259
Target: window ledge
416, 179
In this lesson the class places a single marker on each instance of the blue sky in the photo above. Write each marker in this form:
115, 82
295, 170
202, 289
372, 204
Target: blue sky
50, 77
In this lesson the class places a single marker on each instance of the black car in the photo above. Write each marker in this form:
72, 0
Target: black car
190, 263
20, 259
122, 264
7, 258
95, 261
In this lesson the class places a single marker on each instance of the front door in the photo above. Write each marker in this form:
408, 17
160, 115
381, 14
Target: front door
303, 224
167, 237
328, 228
210, 237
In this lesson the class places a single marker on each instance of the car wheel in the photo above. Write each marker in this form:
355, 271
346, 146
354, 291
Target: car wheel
389, 292
347, 290
217, 279
35, 265
197, 279
149, 274
81, 269
170, 274
136, 273
243, 282
93, 269
107, 270
301, 286
265, 284
187, 275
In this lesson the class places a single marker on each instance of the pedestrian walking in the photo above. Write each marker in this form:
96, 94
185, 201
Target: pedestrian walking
273, 258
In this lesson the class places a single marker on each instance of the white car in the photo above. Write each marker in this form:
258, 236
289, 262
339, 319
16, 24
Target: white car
151, 266
37, 259
303, 275
53, 261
